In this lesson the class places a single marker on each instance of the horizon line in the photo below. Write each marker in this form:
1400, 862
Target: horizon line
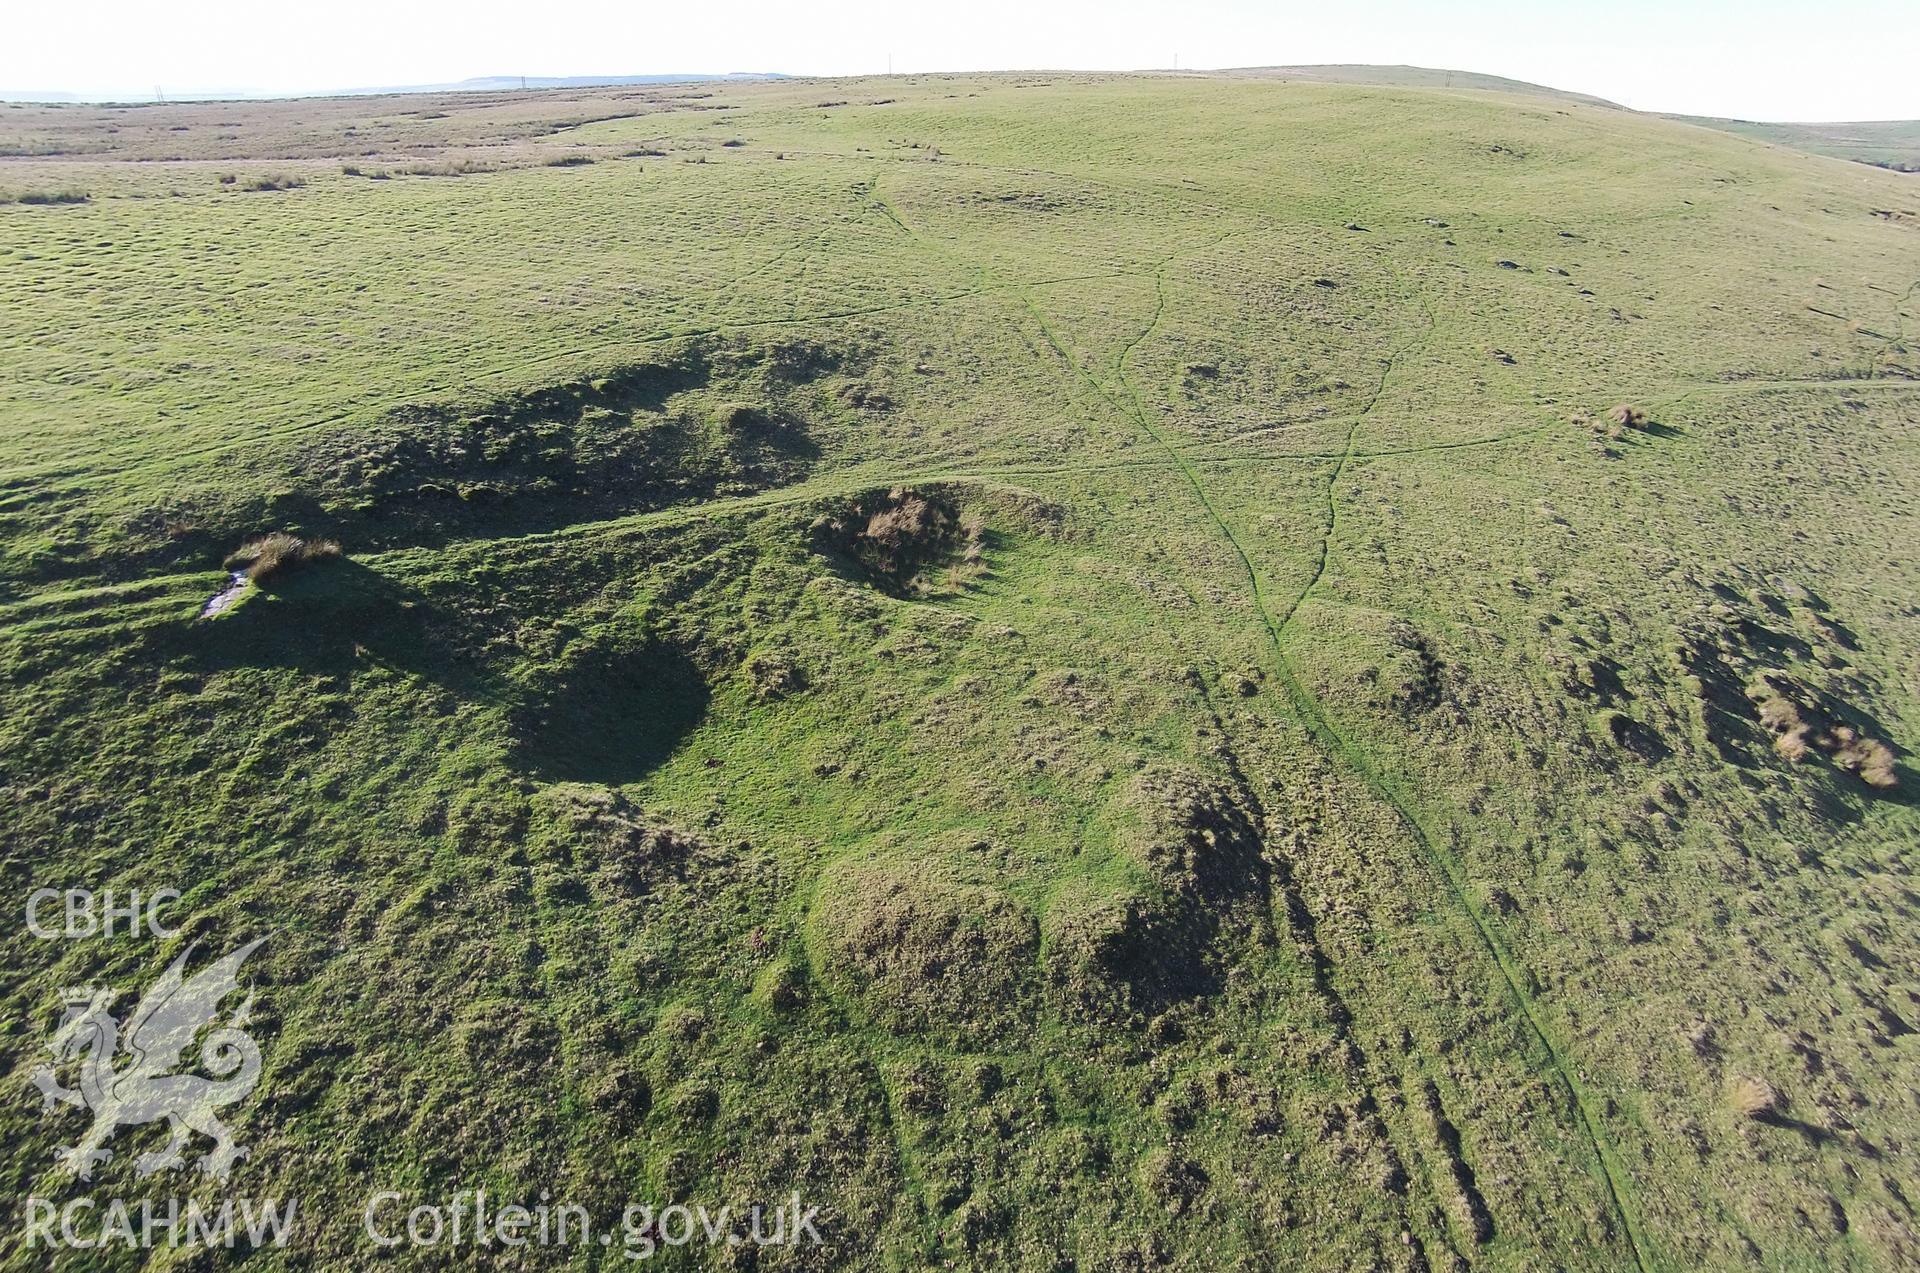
532, 83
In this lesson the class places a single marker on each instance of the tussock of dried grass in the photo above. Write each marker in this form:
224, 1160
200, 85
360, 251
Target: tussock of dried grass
275, 554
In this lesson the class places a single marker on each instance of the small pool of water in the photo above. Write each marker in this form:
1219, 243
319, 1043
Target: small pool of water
236, 584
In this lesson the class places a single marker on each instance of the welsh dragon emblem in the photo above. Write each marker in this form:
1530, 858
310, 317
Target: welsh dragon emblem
172, 1013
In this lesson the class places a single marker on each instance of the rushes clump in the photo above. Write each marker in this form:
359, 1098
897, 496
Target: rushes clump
1801, 727
277, 554
1756, 1098
46, 196
269, 181
1870, 758
1614, 424
903, 524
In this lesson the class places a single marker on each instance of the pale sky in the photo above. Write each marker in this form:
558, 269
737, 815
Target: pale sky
1755, 59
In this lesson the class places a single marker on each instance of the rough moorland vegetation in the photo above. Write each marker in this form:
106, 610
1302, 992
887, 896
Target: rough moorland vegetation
1090, 672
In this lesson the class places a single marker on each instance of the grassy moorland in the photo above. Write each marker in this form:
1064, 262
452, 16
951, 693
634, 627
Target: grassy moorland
1075, 668
1889, 143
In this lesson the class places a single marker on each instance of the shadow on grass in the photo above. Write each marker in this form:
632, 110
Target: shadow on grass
1815, 1135
617, 705
1906, 788
335, 618
612, 714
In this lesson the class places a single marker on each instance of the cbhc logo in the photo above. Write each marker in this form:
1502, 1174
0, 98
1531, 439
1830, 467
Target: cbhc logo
83, 913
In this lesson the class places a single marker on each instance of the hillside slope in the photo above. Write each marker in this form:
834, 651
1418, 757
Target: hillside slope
1886, 143
1072, 667
1891, 144
1414, 77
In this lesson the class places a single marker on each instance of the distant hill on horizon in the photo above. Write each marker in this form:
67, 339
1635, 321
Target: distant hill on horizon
1413, 77
1884, 143
473, 84
1892, 143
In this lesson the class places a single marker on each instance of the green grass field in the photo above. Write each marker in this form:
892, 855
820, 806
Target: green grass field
1070, 666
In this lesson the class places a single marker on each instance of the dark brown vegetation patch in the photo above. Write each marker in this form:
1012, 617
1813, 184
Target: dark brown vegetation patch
895, 537
774, 675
